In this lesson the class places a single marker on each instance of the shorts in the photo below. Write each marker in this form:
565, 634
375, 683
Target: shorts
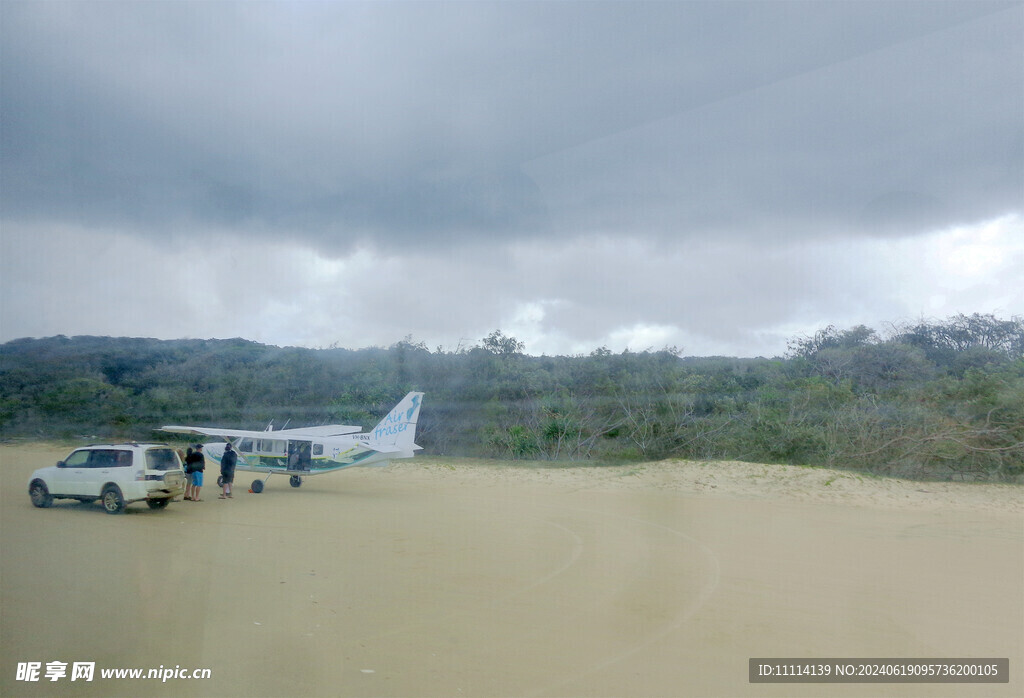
197, 478
227, 477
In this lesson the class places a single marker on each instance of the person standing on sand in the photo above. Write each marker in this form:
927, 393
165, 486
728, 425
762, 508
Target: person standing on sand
227, 470
198, 464
189, 462
183, 457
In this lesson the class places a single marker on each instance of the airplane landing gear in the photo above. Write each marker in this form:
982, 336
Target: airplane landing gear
295, 481
257, 486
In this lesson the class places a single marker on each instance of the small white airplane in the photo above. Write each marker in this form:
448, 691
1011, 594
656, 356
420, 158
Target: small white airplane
309, 451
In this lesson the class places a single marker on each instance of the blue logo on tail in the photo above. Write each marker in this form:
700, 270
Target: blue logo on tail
415, 404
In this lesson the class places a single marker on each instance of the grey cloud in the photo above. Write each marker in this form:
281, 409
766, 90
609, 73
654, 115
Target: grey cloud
718, 172
899, 140
434, 124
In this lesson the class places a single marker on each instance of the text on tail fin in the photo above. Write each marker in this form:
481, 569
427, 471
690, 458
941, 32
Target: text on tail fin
399, 426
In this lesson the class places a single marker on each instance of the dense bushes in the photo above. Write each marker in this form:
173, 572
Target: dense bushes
938, 399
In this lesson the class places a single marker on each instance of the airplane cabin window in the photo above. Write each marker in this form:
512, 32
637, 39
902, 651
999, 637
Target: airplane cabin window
271, 446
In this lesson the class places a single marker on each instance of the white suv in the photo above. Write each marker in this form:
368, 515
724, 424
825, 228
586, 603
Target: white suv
116, 474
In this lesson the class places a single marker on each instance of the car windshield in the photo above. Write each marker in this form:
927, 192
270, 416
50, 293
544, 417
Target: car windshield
161, 459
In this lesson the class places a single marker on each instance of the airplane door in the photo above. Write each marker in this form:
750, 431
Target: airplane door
300, 455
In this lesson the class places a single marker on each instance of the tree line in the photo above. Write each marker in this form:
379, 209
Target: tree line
932, 399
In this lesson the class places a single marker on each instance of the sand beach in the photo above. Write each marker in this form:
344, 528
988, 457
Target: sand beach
451, 577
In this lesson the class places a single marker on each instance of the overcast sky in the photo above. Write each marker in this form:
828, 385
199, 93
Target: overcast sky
717, 176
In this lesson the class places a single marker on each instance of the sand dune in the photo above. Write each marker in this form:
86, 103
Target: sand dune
438, 577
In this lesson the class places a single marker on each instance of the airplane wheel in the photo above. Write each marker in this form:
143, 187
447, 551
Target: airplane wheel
257, 486
295, 480
220, 481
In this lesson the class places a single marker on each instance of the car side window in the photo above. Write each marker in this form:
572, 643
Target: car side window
110, 459
78, 459
101, 459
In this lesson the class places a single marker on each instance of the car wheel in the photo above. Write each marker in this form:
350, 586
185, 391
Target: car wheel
39, 494
158, 503
113, 500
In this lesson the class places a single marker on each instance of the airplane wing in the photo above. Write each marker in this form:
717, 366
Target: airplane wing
227, 433
288, 434
318, 432
302, 434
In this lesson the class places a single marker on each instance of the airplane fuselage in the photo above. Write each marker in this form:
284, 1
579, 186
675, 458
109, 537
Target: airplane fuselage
301, 456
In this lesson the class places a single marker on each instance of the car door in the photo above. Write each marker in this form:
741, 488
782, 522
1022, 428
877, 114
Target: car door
70, 478
107, 465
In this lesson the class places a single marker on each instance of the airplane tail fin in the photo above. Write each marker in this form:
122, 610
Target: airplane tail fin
398, 428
